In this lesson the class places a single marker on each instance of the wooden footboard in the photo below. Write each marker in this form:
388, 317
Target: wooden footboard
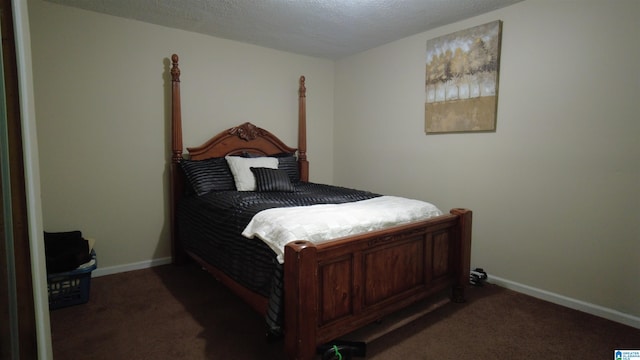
334, 288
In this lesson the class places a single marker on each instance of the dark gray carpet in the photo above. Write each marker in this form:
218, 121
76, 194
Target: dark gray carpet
170, 312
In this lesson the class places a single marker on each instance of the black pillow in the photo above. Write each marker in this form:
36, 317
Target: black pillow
208, 175
286, 161
268, 179
289, 163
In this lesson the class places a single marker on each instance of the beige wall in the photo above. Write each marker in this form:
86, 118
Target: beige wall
102, 106
556, 189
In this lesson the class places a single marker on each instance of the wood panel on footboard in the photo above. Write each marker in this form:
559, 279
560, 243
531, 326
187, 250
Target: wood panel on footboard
334, 288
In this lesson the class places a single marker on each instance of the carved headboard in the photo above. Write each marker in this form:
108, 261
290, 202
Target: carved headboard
245, 138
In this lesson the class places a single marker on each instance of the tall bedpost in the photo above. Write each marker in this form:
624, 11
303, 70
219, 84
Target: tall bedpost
177, 254
302, 131
300, 300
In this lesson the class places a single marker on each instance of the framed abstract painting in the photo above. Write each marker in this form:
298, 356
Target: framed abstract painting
461, 84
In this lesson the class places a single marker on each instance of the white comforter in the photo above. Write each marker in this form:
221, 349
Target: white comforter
319, 223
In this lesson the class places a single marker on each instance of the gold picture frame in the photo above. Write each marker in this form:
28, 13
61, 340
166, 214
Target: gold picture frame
461, 82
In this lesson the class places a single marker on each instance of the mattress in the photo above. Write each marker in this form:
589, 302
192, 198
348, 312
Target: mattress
211, 226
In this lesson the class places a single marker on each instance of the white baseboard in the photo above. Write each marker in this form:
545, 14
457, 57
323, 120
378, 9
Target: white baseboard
100, 271
571, 303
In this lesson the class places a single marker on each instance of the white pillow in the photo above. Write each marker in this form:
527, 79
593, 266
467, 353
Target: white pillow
241, 170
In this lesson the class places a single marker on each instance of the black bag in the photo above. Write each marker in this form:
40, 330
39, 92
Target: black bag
65, 251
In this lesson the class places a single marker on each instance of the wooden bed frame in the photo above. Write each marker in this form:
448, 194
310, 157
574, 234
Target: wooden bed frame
336, 287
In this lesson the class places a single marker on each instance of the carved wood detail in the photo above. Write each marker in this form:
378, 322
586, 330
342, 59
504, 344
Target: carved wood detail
247, 131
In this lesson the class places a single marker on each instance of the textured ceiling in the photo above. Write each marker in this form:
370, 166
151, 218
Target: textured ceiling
322, 28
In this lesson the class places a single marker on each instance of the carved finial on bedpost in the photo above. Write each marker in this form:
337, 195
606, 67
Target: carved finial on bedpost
302, 91
175, 70
176, 111
302, 131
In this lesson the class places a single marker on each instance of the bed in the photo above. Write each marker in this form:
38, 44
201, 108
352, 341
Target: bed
317, 291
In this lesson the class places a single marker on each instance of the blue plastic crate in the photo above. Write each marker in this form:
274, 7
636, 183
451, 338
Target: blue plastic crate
71, 287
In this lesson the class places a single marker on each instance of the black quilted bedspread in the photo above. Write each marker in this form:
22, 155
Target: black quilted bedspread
211, 225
